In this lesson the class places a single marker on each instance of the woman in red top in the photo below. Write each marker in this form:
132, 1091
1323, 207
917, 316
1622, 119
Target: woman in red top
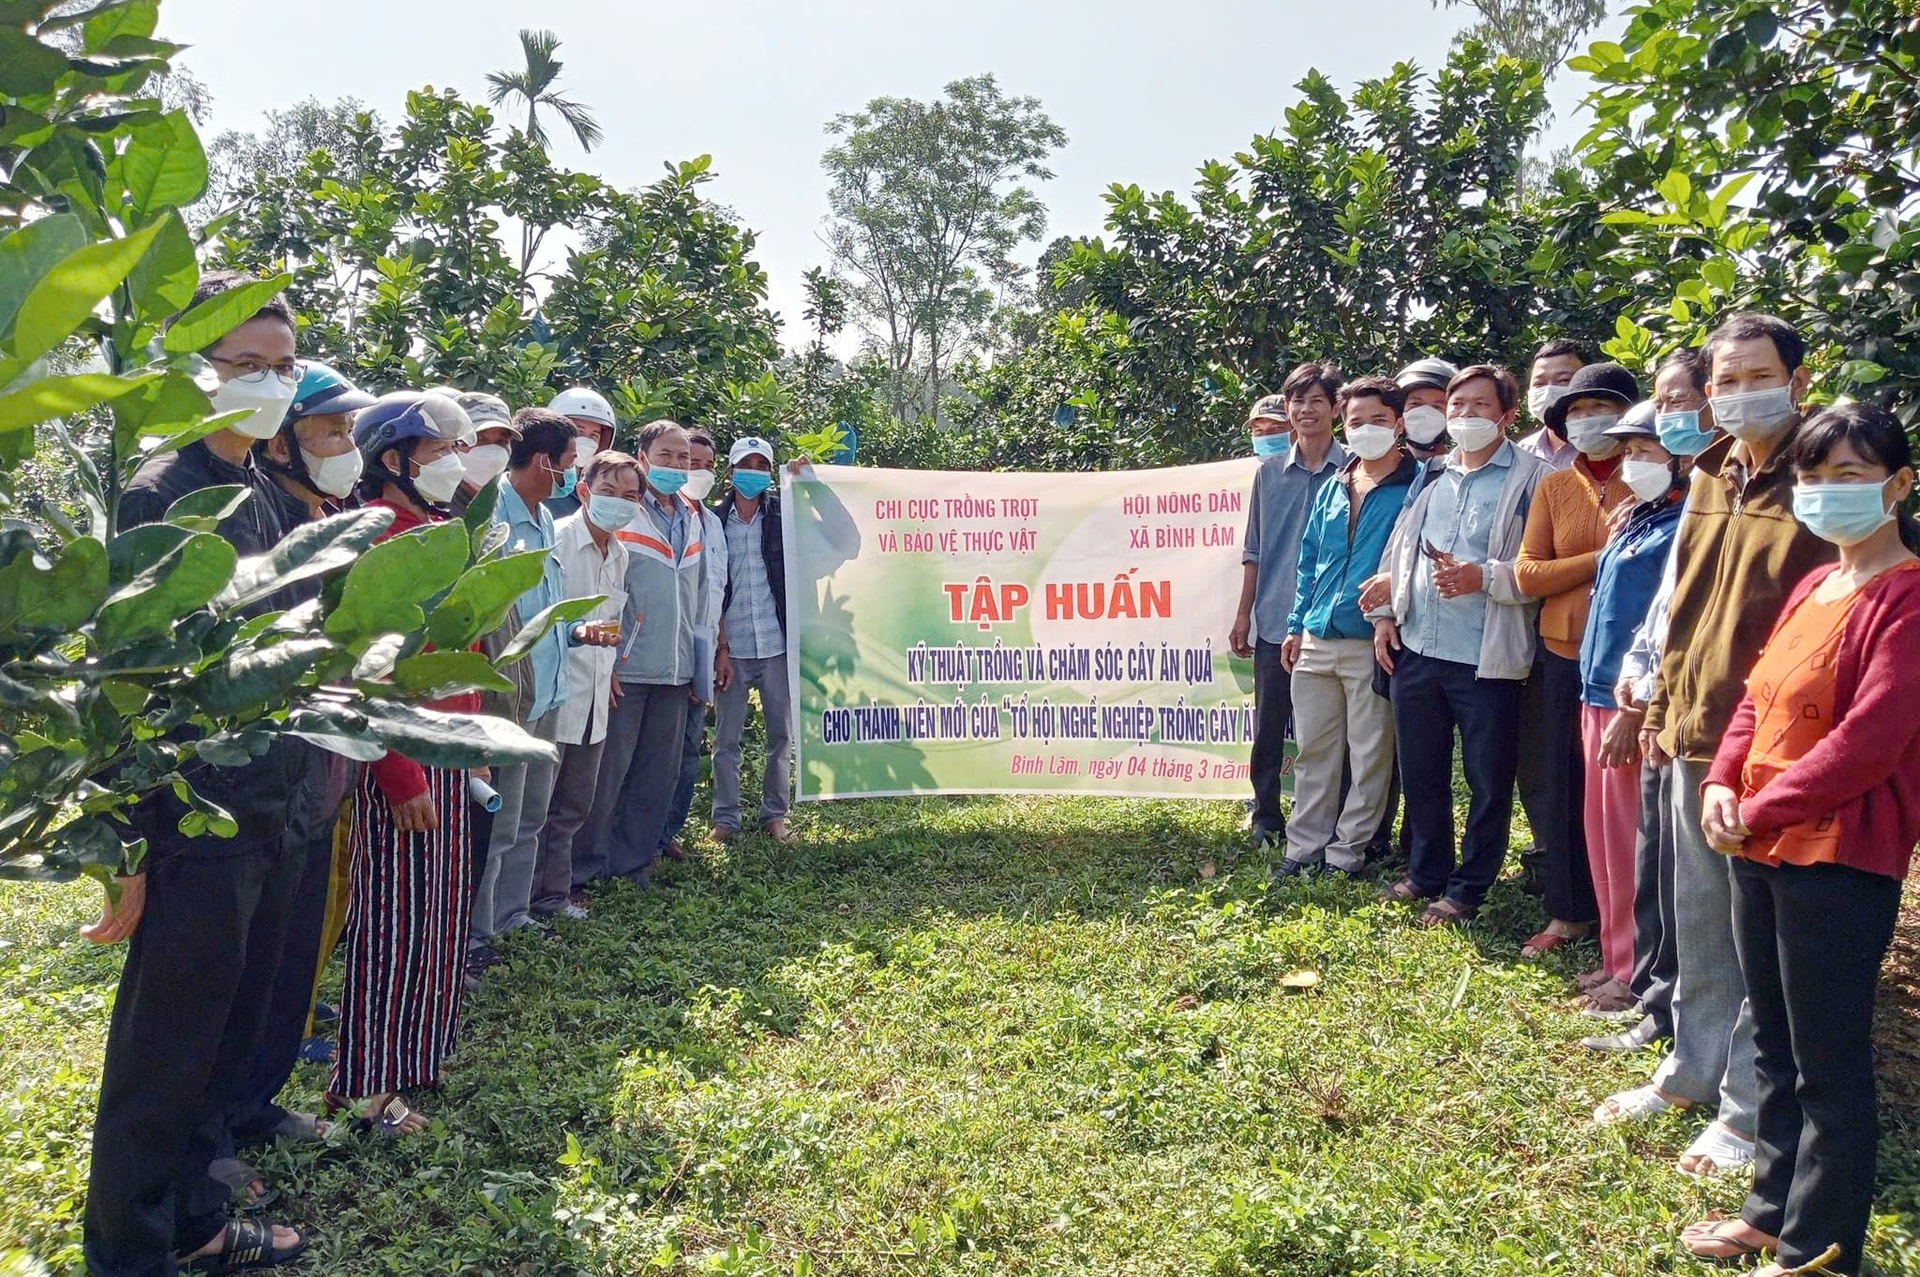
409, 900
1815, 793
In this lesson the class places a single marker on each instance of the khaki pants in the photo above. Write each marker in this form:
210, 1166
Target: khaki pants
1341, 727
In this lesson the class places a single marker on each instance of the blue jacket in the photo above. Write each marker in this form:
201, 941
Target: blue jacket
532, 529
1338, 552
1625, 580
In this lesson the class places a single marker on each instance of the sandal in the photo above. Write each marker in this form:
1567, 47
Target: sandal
1406, 893
1608, 999
1588, 981
395, 1119
1709, 1239
1547, 940
246, 1245
1715, 1151
1636, 1105
249, 1186
1446, 912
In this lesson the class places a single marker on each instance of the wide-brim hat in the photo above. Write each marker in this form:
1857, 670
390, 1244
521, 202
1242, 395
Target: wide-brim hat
1607, 381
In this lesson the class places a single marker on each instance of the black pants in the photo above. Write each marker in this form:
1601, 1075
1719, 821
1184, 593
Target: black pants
1810, 940
1656, 960
1272, 711
1552, 782
1430, 699
193, 995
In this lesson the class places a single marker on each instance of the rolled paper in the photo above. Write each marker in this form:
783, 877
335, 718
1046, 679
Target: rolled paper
483, 793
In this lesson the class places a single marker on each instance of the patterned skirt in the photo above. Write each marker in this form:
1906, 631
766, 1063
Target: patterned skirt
405, 943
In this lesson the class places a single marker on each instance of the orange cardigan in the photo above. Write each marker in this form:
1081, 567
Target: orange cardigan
1560, 550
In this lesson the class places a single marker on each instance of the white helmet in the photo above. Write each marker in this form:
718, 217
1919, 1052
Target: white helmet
582, 402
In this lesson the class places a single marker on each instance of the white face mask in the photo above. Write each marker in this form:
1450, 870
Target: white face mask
1757, 416
266, 397
483, 463
1425, 424
699, 484
1588, 434
439, 480
1370, 442
334, 476
1650, 480
1473, 433
584, 449
1541, 398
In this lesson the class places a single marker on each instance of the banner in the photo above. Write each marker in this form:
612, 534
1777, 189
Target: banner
985, 633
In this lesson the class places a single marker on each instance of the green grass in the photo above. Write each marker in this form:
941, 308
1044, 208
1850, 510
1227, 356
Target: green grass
991, 1036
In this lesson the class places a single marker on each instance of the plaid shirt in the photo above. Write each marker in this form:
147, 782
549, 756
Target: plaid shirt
753, 627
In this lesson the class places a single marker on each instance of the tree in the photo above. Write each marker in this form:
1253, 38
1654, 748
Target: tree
132, 658
534, 84
1543, 32
276, 153
928, 207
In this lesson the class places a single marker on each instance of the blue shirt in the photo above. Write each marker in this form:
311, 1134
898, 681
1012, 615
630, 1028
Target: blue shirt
1339, 551
1625, 580
1283, 492
1459, 521
533, 530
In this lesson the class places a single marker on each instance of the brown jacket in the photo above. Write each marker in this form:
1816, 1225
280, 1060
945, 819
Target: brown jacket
1566, 530
1738, 555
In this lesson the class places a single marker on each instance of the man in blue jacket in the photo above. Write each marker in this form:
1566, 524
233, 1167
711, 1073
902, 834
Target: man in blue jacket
1338, 718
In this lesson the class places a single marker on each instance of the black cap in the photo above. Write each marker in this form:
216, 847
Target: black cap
1595, 381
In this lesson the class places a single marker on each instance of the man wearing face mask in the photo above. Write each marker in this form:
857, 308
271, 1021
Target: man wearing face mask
493, 435
1458, 637
1553, 367
593, 421
699, 487
210, 914
1269, 428
1424, 383
540, 460
1283, 491
312, 456
1739, 553
1566, 527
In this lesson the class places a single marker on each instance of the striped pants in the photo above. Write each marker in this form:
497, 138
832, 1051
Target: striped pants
408, 907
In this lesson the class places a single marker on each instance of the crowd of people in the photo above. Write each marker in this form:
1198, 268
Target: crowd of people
1682, 625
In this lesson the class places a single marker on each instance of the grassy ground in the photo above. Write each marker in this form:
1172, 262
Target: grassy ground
963, 1037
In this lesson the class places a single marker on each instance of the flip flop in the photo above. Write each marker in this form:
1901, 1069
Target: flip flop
1719, 1148
1631, 1106
1705, 1240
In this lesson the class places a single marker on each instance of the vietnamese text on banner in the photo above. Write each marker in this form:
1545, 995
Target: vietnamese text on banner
1018, 632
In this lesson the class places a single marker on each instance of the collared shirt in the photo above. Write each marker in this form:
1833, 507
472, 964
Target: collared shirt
532, 529
585, 571
1542, 445
669, 515
1342, 548
1459, 521
752, 623
1283, 492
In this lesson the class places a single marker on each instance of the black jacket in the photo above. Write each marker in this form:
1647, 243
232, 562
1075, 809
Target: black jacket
773, 551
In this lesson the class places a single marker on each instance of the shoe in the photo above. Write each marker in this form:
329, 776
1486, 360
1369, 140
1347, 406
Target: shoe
778, 831
545, 932
317, 1050
1640, 1036
1344, 874
674, 851
484, 957
579, 898
1259, 836
723, 833
574, 912
325, 1013
1295, 869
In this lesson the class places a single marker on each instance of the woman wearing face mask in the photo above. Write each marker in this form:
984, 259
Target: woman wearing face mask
408, 902
312, 456
1626, 578
1566, 527
1815, 793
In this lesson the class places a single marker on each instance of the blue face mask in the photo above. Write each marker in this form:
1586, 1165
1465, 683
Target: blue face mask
565, 482
666, 480
1681, 433
751, 483
610, 514
1843, 513
1270, 445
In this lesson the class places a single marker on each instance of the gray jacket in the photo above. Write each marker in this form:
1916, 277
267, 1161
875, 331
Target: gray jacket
666, 601
1507, 643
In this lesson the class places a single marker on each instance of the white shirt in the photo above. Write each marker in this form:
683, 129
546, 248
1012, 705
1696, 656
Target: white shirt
585, 572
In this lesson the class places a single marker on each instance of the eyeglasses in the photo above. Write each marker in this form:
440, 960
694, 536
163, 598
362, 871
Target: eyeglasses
254, 369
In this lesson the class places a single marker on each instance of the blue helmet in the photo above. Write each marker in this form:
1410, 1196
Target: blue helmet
395, 421
326, 390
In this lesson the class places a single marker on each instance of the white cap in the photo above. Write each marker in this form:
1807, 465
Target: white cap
582, 402
749, 446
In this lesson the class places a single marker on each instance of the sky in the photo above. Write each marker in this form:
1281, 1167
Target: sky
1145, 91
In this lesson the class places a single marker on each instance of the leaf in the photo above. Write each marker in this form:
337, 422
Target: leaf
163, 165
206, 506
57, 596
1719, 273
434, 675
48, 397
533, 631
256, 678
28, 68
337, 729
163, 283
377, 661
109, 22
436, 739
220, 314
482, 597
386, 587
310, 550
67, 294
479, 512
161, 408
30, 253
1676, 188
187, 578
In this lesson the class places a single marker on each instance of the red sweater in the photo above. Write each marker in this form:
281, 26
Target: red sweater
399, 777
1866, 771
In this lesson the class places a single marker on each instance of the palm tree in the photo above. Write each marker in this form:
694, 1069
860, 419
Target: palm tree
535, 86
